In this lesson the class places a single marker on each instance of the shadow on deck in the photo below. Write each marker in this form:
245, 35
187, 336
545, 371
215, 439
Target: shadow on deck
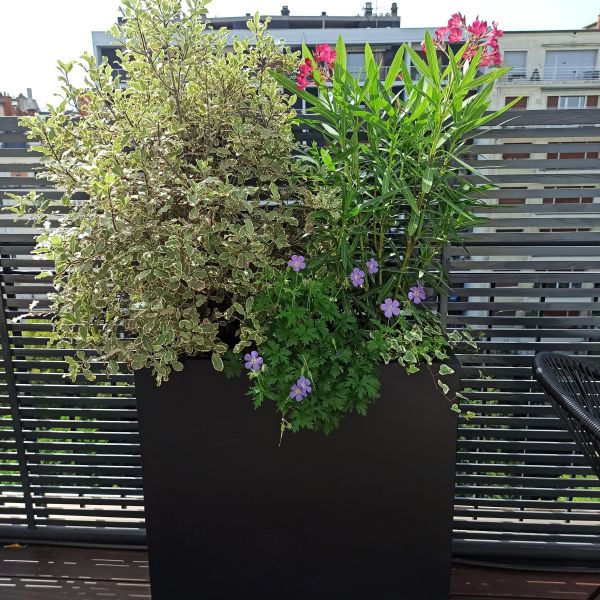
52, 573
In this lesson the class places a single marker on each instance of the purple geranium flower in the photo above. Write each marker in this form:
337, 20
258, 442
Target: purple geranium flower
253, 360
390, 307
417, 293
296, 393
297, 262
357, 277
305, 385
372, 266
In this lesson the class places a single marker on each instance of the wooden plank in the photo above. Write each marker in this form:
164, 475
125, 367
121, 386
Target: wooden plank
472, 582
52, 573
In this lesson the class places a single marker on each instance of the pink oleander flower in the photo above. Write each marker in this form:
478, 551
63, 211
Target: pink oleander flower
441, 32
478, 28
306, 68
456, 21
301, 83
494, 31
476, 35
324, 53
324, 57
455, 34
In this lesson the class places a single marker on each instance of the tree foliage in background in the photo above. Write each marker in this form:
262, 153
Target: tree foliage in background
185, 169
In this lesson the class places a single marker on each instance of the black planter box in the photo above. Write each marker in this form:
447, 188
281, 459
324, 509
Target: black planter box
364, 513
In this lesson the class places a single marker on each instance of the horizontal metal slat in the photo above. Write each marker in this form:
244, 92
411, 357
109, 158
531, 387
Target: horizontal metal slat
536, 163
534, 148
520, 118
592, 191
537, 133
545, 238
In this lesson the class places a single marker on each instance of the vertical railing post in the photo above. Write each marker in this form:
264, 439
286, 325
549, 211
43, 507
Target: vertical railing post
14, 410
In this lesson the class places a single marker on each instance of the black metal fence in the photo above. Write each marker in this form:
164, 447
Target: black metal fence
527, 280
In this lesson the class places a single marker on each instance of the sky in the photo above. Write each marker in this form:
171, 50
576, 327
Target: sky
36, 33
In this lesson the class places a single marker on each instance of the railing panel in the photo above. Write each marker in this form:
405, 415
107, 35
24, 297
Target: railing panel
528, 279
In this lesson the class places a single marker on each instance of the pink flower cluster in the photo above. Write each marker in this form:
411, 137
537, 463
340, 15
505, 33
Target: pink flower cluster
323, 59
476, 35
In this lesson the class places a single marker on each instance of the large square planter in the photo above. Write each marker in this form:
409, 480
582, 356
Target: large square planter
364, 513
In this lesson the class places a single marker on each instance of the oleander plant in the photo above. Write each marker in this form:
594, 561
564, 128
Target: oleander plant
207, 230
392, 156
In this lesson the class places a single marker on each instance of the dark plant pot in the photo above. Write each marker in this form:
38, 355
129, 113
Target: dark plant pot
364, 513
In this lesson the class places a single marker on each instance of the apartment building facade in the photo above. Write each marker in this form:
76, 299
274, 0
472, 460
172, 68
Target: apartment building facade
382, 31
551, 69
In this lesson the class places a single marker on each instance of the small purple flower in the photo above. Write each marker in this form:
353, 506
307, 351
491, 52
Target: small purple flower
297, 262
305, 385
390, 307
253, 360
296, 393
372, 266
357, 277
417, 293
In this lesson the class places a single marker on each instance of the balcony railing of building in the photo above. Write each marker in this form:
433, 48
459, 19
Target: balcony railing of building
554, 74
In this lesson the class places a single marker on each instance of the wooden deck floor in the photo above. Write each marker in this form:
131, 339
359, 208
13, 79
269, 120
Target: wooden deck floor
53, 573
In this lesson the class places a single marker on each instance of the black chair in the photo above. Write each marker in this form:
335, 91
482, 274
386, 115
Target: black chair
572, 384
573, 387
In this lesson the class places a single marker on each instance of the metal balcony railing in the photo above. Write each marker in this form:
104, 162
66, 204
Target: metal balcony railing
522, 75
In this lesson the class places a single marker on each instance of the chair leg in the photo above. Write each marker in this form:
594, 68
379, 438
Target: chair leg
595, 595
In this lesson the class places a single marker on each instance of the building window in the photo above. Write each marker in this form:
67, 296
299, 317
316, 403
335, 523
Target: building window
571, 102
521, 104
582, 154
517, 60
570, 64
567, 102
560, 199
507, 201
355, 63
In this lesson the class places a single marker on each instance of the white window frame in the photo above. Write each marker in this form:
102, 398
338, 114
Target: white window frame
517, 72
564, 104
